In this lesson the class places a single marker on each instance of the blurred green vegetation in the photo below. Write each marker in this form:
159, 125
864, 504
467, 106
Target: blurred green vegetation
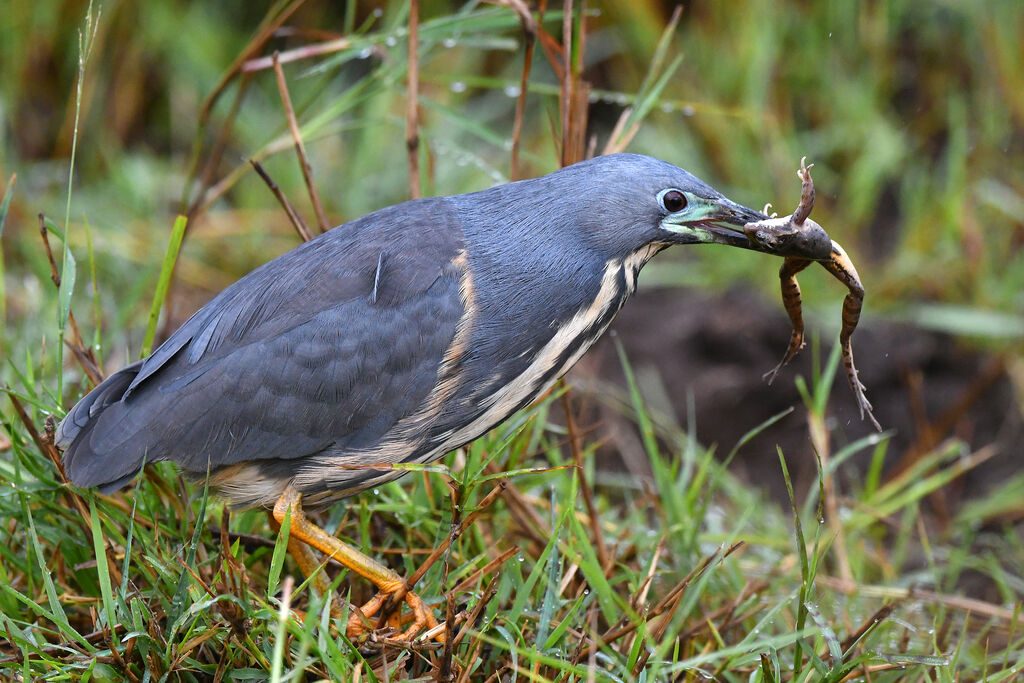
912, 112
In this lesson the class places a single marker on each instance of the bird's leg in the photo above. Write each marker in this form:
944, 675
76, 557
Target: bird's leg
792, 301
310, 567
390, 584
842, 269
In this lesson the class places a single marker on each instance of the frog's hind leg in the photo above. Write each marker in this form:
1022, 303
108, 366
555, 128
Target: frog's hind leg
792, 301
842, 269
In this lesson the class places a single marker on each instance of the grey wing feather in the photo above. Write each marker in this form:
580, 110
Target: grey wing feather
327, 346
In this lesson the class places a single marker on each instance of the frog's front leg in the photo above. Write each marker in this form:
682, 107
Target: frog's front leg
803, 209
842, 268
792, 301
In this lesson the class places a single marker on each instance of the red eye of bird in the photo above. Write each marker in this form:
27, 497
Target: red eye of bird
673, 201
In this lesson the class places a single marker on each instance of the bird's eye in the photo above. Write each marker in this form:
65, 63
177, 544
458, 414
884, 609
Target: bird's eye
673, 201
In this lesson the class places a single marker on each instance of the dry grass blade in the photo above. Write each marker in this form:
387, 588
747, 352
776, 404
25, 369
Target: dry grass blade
412, 107
529, 25
216, 153
83, 354
264, 34
573, 94
297, 222
667, 604
454, 535
640, 597
44, 442
490, 567
575, 443
297, 54
530, 523
957, 602
873, 621
489, 592
300, 149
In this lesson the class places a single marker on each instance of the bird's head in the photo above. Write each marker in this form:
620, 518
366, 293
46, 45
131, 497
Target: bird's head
633, 201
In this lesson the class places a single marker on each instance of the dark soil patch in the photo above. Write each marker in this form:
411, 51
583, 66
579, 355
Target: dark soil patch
716, 349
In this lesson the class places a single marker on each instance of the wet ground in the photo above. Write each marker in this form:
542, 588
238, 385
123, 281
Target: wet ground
688, 345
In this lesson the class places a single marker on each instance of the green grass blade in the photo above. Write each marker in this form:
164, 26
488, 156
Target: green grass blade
166, 270
280, 548
102, 570
56, 609
5, 204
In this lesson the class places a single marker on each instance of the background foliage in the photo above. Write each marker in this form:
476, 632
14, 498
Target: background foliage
914, 116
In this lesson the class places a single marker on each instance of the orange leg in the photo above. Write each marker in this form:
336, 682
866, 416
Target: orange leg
390, 584
309, 565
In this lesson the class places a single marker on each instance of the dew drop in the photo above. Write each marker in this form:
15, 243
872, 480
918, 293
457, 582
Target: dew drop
376, 492
688, 111
521, 558
391, 41
512, 90
449, 43
378, 13
365, 53
667, 107
458, 86
586, 591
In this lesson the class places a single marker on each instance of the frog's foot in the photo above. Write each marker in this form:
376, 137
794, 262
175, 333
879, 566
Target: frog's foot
796, 342
852, 376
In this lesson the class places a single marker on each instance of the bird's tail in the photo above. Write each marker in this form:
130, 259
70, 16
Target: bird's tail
73, 431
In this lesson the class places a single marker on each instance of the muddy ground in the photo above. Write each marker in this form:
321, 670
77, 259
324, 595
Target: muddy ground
717, 347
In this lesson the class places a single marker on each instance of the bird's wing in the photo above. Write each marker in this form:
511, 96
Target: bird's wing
327, 346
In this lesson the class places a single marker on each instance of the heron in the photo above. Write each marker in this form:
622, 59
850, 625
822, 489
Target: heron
395, 338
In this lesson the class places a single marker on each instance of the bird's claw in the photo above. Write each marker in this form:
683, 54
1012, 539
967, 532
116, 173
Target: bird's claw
360, 625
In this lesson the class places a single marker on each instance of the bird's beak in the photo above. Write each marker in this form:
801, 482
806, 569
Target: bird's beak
723, 221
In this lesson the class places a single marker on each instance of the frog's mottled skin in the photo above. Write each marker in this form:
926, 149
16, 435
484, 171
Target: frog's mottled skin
794, 235
803, 242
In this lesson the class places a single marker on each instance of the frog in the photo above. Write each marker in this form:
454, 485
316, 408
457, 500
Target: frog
801, 242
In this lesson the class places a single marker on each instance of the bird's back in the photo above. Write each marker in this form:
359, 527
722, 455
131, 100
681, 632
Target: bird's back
329, 345
393, 338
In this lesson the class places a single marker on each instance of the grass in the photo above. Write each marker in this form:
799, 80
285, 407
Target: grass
705, 576
565, 571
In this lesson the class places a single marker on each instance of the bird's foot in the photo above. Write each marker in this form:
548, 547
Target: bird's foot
360, 623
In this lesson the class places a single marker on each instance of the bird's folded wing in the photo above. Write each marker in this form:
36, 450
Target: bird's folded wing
327, 346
